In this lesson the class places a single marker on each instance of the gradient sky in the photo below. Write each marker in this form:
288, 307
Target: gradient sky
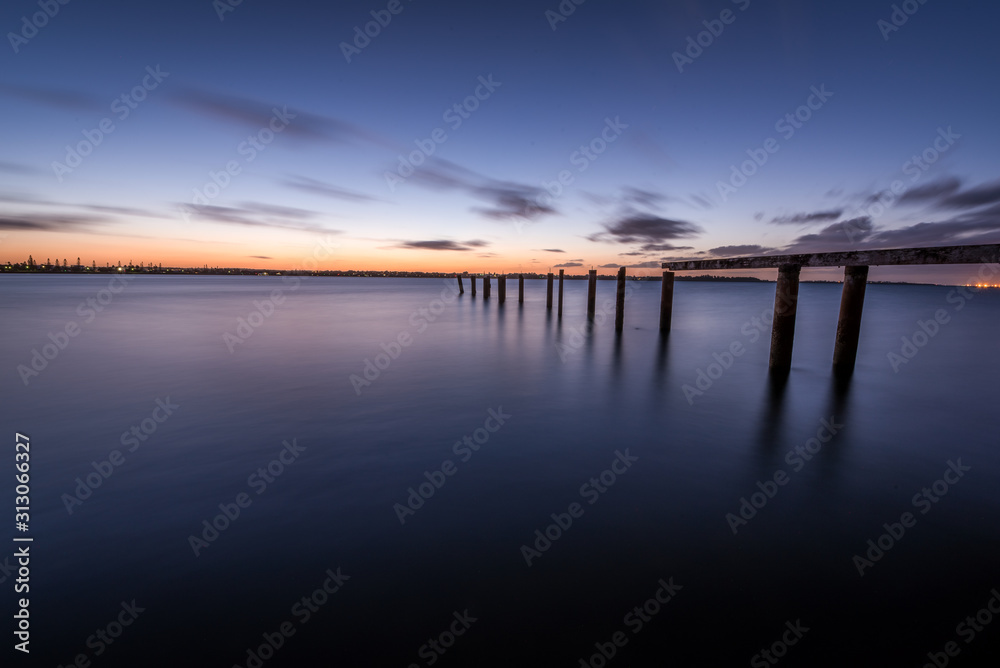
672, 131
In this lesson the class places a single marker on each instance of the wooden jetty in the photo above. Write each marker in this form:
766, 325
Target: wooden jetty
786, 295
855, 263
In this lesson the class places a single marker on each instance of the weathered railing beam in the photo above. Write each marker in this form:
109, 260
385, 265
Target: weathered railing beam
984, 253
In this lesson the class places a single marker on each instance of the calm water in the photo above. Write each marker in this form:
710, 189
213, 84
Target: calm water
571, 399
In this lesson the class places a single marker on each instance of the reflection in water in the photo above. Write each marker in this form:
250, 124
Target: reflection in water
774, 401
575, 394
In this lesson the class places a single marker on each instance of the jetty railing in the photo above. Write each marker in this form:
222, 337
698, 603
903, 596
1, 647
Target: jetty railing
855, 263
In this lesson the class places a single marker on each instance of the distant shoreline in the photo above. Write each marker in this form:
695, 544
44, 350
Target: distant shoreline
191, 271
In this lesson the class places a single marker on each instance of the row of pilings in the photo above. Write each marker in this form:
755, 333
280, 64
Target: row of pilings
666, 295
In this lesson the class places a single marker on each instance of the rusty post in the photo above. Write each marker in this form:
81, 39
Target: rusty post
786, 296
620, 301
852, 301
591, 294
666, 300
561, 272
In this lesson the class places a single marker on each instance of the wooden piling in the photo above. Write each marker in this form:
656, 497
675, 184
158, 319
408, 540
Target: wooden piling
502, 288
461, 288
591, 294
561, 272
852, 301
666, 300
473, 279
520, 288
486, 286
548, 293
620, 301
786, 297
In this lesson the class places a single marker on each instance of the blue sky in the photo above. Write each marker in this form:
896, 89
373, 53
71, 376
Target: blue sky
665, 118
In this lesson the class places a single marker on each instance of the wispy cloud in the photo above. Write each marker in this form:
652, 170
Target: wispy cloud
565, 265
254, 115
975, 227
646, 198
505, 199
316, 187
983, 195
746, 249
123, 211
931, 192
943, 194
652, 248
18, 168
646, 229
58, 98
255, 214
844, 235
808, 218
49, 222
443, 245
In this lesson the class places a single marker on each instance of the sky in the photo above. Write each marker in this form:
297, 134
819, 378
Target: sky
516, 136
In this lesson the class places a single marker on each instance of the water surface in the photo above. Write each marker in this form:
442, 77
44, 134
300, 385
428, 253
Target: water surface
578, 398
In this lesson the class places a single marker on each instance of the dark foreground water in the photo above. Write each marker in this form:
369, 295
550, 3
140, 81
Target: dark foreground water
446, 580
